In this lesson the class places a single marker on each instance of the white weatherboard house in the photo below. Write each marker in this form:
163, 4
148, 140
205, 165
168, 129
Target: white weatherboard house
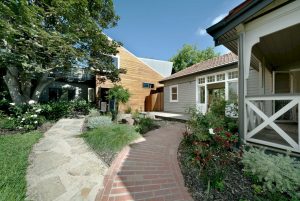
265, 34
198, 84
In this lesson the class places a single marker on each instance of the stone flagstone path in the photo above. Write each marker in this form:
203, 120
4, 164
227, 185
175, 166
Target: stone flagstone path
62, 167
148, 170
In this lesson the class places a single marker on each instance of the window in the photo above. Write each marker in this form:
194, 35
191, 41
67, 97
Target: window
221, 77
233, 75
201, 94
55, 94
116, 61
211, 78
174, 93
148, 85
233, 91
202, 80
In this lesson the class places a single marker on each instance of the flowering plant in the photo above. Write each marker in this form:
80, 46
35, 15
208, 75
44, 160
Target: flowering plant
213, 156
27, 115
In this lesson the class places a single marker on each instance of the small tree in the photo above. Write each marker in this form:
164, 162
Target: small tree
189, 55
119, 95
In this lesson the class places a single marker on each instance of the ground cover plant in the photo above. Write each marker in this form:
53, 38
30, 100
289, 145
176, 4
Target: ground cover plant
274, 176
108, 138
14, 152
145, 124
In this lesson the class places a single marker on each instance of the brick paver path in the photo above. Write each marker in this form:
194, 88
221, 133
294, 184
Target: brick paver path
148, 170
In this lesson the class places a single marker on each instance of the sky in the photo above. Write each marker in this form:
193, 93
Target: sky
157, 29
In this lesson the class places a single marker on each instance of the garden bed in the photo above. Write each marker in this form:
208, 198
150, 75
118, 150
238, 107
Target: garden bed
236, 186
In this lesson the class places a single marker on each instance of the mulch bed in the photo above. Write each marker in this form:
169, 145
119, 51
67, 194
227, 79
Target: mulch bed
237, 186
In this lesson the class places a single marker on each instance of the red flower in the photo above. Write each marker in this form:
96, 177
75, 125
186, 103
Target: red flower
228, 134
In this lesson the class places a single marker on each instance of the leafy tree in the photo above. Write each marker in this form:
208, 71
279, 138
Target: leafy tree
119, 95
189, 55
39, 38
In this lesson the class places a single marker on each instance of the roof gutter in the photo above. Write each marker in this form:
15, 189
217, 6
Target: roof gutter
230, 22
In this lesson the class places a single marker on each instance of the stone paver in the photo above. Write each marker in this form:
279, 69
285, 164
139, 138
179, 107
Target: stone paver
148, 170
62, 167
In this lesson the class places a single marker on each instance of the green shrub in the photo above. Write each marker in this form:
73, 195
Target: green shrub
119, 95
4, 101
145, 125
56, 110
110, 138
211, 138
100, 121
276, 173
26, 116
94, 112
128, 110
80, 107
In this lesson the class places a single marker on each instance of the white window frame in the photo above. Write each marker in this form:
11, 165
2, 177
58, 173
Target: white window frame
118, 58
171, 99
226, 81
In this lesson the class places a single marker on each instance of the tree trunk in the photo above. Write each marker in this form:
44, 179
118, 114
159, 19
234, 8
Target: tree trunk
43, 82
20, 90
13, 85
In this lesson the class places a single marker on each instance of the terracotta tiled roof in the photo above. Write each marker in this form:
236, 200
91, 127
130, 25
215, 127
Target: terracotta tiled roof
205, 65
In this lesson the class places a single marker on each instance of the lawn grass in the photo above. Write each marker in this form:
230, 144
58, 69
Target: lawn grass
110, 138
14, 152
6, 123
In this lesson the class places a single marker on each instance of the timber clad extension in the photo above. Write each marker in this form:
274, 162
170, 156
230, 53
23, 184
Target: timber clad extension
137, 73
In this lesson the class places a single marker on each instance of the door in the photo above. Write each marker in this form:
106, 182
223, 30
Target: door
201, 104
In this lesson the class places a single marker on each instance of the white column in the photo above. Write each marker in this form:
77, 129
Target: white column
226, 87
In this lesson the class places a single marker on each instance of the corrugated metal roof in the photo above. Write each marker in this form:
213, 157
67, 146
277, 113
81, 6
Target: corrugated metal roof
205, 65
162, 67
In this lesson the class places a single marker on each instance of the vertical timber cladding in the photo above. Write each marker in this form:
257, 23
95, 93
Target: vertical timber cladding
137, 73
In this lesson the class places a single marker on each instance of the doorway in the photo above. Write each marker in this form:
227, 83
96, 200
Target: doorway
287, 82
103, 100
215, 91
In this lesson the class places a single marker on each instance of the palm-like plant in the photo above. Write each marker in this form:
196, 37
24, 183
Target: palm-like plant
120, 95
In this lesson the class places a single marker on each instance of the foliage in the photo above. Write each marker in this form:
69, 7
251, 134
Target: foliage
211, 138
94, 112
41, 37
4, 101
26, 116
60, 109
145, 125
275, 173
213, 156
110, 138
119, 95
80, 106
56, 110
99, 121
128, 110
190, 55
14, 152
